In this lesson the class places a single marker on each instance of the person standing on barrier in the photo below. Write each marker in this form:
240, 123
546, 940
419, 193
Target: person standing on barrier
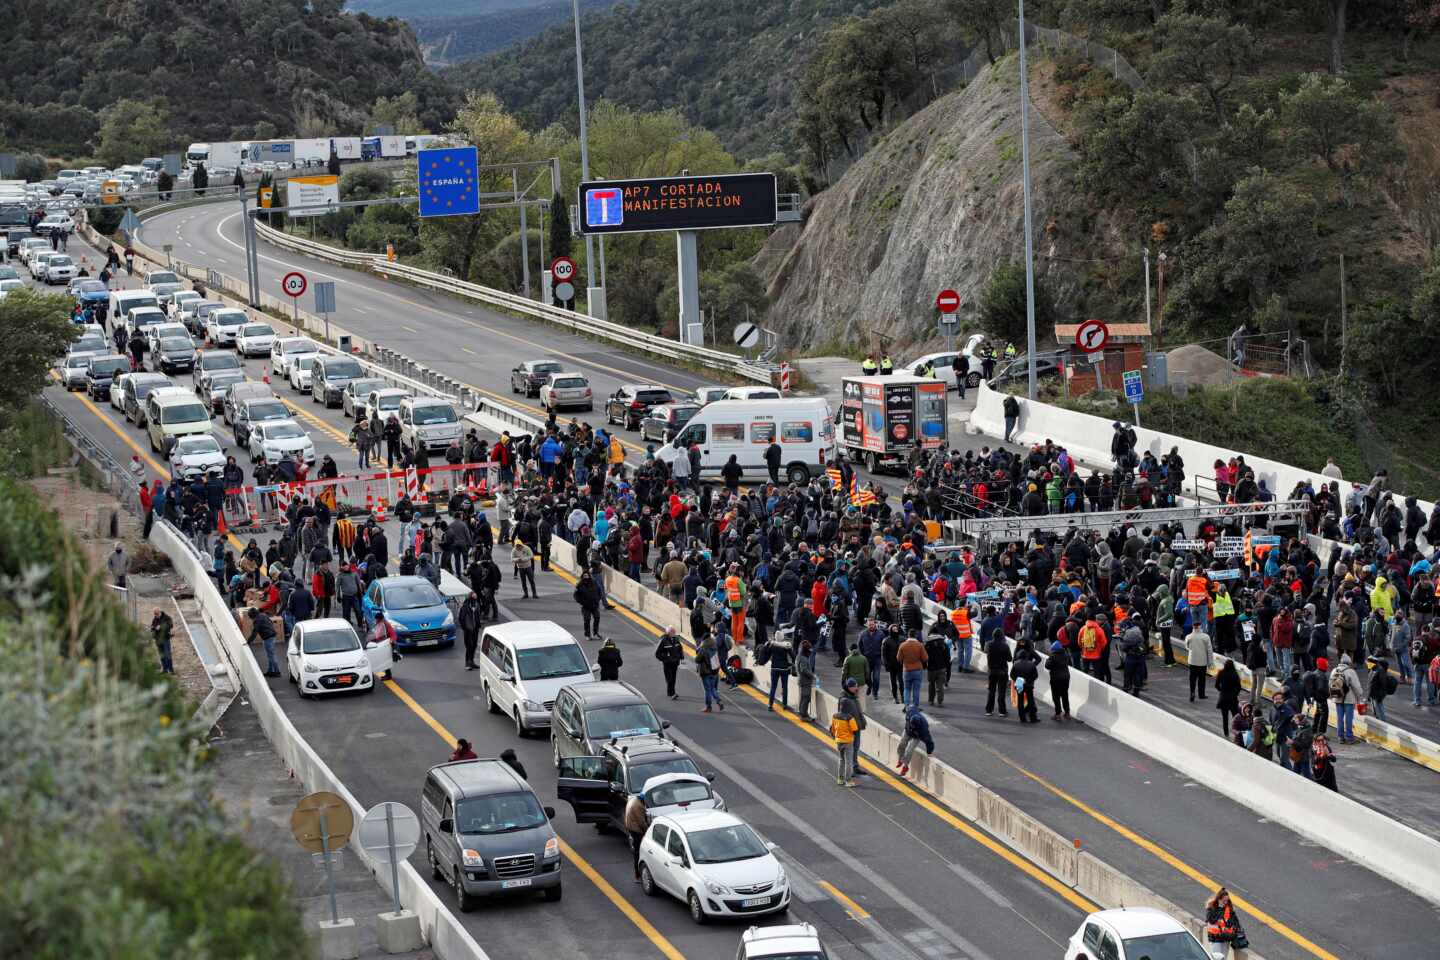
161, 627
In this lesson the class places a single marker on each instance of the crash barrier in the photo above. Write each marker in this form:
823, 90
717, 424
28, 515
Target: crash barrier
255, 507
1058, 856
1088, 438
578, 322
446, 936
1280, 512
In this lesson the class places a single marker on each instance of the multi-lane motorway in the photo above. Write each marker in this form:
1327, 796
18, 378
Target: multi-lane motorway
882, 872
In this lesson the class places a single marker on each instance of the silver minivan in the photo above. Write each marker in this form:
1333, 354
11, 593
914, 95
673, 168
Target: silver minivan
486, 832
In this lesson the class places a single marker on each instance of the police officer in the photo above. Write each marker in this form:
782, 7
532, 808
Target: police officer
887, 366
868, 366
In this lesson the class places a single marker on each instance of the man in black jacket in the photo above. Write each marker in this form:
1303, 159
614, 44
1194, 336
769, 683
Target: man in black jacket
997, 655
670, 652
937, 660
470, 620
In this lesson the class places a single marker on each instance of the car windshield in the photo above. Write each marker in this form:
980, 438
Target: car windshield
303, 346
133, 303
439, 413
342, 370
1165, 946
640, 773
545, 368
258, 330
283, 431
625, 720
499, 813
330, 641
542, 663
184, 413
143, 388
61, 260
681, 791
77, 363
569, 383
726, 844
268, 410
411, 596
163, 277
358, 388
390, 402
228, 318
200, 444
176, 344
221, 379
219, 361
654, 396
109, 366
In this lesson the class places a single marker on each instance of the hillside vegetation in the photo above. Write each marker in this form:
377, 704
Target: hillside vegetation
204, 69
450, 39
730, 67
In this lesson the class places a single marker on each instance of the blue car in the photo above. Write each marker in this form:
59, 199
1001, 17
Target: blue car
92, 292
414, 608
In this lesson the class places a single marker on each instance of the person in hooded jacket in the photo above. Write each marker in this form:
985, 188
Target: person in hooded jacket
1024, 673
917, 731
609, 660
1057, 665
1227, 689
937, 655
997, 656
470, 620
890, 655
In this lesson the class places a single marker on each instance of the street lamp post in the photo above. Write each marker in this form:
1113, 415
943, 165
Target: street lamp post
585, 165
1029, 231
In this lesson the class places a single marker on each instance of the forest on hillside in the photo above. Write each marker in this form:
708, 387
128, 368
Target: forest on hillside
208, 69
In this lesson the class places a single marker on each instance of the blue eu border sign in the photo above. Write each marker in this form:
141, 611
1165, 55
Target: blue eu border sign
448, 180
678, 203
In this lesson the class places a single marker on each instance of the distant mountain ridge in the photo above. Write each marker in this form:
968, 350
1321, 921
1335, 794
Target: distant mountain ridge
449, 40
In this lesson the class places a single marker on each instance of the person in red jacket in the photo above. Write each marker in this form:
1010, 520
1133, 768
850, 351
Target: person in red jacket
635, 552
322, 586
819, 597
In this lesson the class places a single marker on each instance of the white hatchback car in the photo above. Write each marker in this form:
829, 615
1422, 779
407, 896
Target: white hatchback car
326, 656
1134, 933
715, 863
272, 440
566, 390
285, 350
787, 941
255, 340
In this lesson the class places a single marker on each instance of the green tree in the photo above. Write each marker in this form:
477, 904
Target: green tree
984, 22
37, 329
364, 184
1352, 135
401, 113
1202, 52
200, 178
264, 130
131, 129
332, 166
164, 184
1135, 146
1002, 306
31, 166
560, 239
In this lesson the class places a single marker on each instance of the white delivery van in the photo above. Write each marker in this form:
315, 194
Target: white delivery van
123, 301
429, 421
172, 412
804, 428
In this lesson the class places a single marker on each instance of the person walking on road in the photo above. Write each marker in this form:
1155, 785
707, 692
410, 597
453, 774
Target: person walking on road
1198, 652
1057, 665
1024, 673
470, 620
937, 666
524, 559
778, 654
803, 667
844, 729
913, 661
609, 660
637, 821
119, 565
1345, 691
708, 668
851, 708
997, 655
1222, 924
588, 596
161, 626
391, 433
670, 652
262, 627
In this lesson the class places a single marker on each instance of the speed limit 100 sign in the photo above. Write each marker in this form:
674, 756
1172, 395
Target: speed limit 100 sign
294, 284
563, 269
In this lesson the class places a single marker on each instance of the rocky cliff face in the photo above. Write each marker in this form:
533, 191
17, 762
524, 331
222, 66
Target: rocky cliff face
936, 204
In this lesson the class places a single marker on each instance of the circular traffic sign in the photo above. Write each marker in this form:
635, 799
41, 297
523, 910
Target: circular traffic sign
294, 284
948, 301
562, 268
375, 833
305, 822
747, 335
1092, 335
564, 291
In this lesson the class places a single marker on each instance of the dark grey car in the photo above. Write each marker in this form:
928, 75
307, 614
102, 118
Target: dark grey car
588, 715
486, 832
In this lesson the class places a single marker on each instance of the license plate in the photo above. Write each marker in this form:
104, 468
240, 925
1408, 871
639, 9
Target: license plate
344, 680
756, 902
426, 643
511, 884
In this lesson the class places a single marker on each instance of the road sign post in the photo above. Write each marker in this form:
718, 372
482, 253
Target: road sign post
325, 302
1134, 390
562, 271
294, 284
448, 181
947, 302
785, 379
390, 832
321, 824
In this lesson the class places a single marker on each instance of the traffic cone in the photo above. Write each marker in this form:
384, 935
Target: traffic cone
220, 524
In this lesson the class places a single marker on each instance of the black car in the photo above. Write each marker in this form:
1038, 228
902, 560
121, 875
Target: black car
102, 373
665, 422
176, 355
598, 787
531, 375
630, 404
13, 238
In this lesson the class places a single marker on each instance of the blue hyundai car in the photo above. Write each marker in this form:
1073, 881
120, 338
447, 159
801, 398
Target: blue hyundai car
415, 608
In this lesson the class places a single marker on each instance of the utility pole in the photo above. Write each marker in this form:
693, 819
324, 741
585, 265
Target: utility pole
1344, 328
593, 291
1147, 297
1029, 230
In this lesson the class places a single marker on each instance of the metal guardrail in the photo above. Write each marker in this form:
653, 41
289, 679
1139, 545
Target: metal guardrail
609, 330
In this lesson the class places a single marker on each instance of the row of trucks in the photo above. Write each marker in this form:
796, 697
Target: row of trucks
314, 151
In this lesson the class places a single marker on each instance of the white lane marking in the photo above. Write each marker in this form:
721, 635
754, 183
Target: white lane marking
309, 271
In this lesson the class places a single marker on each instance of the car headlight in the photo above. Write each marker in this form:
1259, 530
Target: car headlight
449, 620
360, 664
719, 889
532, 707
311, 668
472, 858
782, 880
552, 847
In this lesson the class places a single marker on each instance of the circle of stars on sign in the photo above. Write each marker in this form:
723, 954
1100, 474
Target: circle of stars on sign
435, 171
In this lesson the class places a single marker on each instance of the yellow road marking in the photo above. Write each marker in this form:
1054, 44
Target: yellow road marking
856, 911
315, 419
1205, 881
584, 866
895, 783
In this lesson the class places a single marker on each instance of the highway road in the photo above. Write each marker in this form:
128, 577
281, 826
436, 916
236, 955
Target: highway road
923, 884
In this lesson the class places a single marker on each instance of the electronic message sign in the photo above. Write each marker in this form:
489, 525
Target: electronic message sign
678, 203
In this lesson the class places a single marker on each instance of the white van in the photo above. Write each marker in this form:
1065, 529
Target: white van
524, 664
172, 412
802, 426
123, 301
429, 420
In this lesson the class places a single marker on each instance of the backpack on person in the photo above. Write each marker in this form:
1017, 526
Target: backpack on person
1391, 684
762, 655
1339, 689
327, 580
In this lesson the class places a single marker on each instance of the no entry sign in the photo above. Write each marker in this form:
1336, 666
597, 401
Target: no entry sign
1092, 335
294, 284
948, 301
